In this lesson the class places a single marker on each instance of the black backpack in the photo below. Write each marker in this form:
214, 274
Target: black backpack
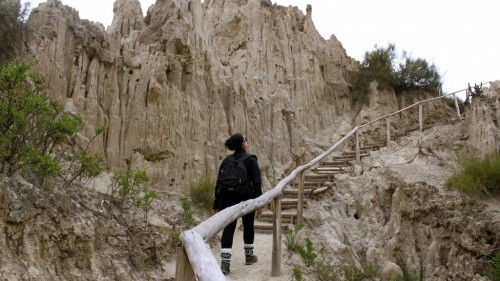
233, 176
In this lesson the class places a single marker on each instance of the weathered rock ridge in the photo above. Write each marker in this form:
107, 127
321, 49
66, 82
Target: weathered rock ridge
173, 85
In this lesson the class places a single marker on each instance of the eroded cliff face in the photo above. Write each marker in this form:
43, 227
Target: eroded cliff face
481, 126
172, 86
398, 215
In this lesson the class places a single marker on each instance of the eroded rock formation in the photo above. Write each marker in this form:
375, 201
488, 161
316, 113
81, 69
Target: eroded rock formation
173, 85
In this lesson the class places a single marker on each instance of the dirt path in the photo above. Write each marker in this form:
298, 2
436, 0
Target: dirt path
259, 271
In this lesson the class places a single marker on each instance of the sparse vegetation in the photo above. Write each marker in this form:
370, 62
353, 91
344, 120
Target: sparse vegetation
297, 273
35, 127
188, 212
354, 273
325, 271
402, 74
127, 184
307, 253
496, 266
202, 192
291, 241
477, 175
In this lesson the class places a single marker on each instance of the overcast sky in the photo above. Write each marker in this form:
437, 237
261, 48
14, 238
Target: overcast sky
461, 38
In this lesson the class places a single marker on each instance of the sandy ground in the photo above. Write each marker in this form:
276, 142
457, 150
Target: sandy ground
263, 249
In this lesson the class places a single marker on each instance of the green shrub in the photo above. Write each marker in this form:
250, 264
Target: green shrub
496, 264
297, 273
477, 174
382, 65
202, 192
144, 202
188, 212
128, 184
307, 253
353, 273
325, 271
291, 241
33, 128
416, 74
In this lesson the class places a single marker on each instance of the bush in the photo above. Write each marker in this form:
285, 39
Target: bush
377, 65
477, 174
416, 74
353, 273
33, 127
381, 65
326, 271
297, 273
496, 265
291, 242
202, 192
128, 185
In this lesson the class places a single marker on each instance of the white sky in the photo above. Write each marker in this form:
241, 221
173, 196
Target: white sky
459, 37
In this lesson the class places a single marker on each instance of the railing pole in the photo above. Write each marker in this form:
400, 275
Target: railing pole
183, 269
457, 107
300, 198
276, 255
420, 117
358, 157
388, 121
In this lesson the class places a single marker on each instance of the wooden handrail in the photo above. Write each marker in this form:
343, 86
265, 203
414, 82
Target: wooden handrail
202, 264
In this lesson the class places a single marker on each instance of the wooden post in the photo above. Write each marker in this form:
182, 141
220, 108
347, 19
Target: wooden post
420, 117
457, 107
388, 121
183, 269
276, 255
358, 157
300, 198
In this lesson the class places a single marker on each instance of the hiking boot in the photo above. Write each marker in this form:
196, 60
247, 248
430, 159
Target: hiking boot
224, 267
250, 258
225, 258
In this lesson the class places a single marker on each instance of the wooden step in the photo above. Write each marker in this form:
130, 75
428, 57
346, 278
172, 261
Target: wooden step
316, 177
286, 217
335, 163
265, 227
328, 170
291, 202
283, 220
347, 157
293, 193
353, 154
309, 184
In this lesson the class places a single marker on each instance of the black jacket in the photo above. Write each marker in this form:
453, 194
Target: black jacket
253, 171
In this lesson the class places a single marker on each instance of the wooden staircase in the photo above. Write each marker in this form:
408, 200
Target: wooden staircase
318, 181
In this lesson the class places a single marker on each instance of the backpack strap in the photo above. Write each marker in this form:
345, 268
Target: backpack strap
244, 157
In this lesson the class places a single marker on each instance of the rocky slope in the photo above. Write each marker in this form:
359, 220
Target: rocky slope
172, 85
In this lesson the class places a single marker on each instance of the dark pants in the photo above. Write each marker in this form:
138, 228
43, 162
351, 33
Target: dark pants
227, 200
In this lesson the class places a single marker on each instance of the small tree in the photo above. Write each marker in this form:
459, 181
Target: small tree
33, 128
377, 65
416, 74
382, 65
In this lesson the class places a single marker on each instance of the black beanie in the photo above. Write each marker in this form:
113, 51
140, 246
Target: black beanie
234, 142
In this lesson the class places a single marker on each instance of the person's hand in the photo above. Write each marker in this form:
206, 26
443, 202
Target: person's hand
259, 211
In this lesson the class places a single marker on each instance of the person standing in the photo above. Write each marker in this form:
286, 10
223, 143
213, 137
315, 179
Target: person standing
228, 197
